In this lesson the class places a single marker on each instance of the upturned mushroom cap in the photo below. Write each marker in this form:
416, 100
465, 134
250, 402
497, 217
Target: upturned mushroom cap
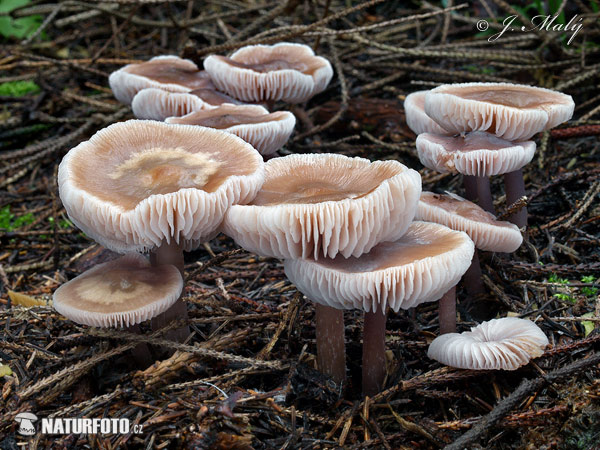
122, 292
462, 215
324, 204
158, 104
266, 132
138, 183
477, 153
500, 344
510, 111
168, 72
416, 118
419, 267
284, 71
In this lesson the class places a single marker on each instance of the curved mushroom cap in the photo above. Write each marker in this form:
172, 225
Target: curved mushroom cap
419, 267
284, 71
168, 72
119, 293
138, 183
511, 111
158, 104
478, 153
266, 132
500, 344
416, 119
462, 215
324, 204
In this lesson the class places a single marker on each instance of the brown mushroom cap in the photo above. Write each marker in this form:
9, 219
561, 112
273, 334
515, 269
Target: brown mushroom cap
462, 215
169, 73
266, 132
419, 267
416, 118
477, 153
284, 71
324, 204
158, 104
500, 344
510, 111
122, 292
138, 183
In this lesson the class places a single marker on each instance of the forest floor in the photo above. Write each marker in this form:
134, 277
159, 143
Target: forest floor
261, 389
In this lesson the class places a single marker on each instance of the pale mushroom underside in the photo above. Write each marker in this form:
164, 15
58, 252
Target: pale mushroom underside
492, 156
320, 205
419, 267
500, 344
459, 214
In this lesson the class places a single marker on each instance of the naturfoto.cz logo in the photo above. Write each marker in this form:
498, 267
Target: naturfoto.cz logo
57, 426
540, 22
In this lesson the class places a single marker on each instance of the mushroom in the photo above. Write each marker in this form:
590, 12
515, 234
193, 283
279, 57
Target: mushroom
500, 344
168, 72
475, 154
140, 186
416, 118
322, 205
419, 267
510, 111
119, 293
158, 104
266, 132
284, 71
485, 231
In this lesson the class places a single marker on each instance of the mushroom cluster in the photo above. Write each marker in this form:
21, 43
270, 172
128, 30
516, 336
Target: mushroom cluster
174, 90
486, 129
143, 186
344, 228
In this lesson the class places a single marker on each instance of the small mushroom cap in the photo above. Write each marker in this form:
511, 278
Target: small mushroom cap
416, 118
168, 72
324, 204
510, 111
284, 71
158, 104
119, 293
500, 344
477, 153
417, 268
460, 214
137, 184
266, 132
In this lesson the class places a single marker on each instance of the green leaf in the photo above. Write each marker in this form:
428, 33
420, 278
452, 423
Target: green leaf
21, 27
5, 370
588, 325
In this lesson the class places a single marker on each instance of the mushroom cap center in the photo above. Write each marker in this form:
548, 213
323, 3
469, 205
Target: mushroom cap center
115, 286
515, 97
171, 71
295, 190
163, 170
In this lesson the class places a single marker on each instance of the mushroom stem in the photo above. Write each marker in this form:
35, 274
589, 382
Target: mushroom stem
331, 349
373, 360
447, 312
472, 277
171, 253
470, 183
141, 353
514, 186
484, 194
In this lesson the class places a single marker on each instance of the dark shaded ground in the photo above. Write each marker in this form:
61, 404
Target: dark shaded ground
253, 333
